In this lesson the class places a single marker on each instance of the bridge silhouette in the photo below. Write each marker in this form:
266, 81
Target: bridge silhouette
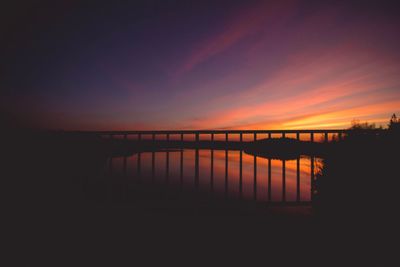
181, 136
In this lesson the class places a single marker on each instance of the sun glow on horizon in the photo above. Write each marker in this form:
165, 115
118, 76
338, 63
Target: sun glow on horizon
248, 65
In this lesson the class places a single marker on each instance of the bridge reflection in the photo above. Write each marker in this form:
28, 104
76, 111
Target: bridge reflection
289, 176
230, 173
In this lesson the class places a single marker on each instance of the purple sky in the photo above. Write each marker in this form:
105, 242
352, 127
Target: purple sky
201, 64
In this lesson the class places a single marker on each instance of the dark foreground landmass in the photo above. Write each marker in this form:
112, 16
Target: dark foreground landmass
51, 220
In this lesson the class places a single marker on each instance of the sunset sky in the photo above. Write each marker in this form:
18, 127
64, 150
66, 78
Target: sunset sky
200, 64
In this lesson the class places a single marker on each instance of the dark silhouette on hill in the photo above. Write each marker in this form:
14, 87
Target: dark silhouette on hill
357, 165
357, 189
285, 148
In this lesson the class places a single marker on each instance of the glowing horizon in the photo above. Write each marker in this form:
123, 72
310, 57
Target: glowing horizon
258, 65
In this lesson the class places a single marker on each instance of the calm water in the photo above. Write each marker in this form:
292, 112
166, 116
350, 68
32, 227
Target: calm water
231, 173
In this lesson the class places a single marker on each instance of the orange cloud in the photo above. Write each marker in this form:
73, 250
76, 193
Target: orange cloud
327, 92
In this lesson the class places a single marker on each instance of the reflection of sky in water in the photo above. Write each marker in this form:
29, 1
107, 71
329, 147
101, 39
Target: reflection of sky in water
219, 173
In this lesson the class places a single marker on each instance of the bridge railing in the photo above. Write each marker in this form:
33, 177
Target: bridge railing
226, 133
310, 134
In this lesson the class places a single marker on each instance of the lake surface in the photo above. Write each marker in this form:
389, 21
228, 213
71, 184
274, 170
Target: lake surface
230, 173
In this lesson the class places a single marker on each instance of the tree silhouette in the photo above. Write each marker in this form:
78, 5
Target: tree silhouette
394, 123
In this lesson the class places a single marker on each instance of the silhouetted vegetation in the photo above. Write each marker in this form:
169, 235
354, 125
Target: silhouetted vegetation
394, 124
357, 125
358, 163
356, 189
